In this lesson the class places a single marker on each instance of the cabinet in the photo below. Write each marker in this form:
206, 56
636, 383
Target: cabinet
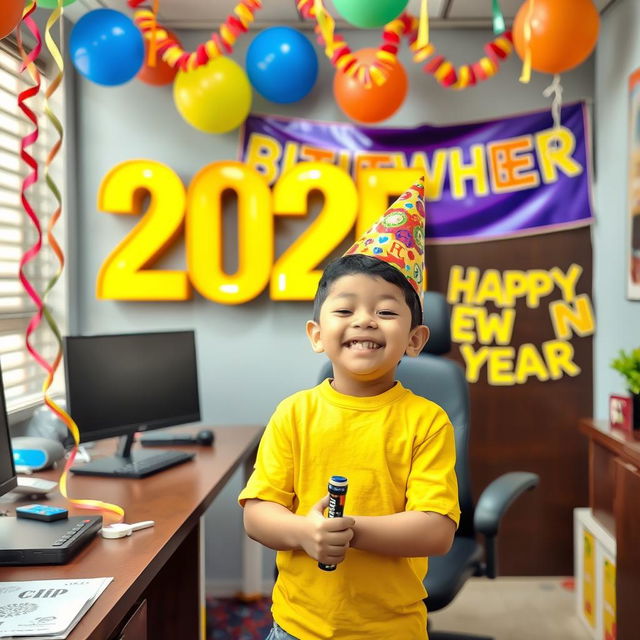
595, 569
135, 627
614, 500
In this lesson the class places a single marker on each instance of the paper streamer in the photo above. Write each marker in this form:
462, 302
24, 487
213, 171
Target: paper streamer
336, 49
423, 29
32, 177
220, 43
525, 75
153, 44
42, 309
408, 26
339, 52
498, 19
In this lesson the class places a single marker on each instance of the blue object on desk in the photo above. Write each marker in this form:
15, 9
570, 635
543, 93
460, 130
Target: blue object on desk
42, 512
36, 453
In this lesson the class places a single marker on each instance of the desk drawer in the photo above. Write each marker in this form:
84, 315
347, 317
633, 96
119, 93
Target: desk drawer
135, 626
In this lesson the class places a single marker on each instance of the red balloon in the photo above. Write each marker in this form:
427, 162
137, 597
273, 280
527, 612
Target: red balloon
375, 103
563, 33
10, 16
162, 73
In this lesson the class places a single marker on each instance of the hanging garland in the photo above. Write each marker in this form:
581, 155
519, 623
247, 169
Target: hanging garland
220, 43
336, 48
444, 71
467, 75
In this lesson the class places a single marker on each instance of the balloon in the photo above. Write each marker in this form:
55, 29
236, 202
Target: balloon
10, 16
368, 14
375, 103
106, 47
215, 97
282, 64
53, 4
563, 33
162, 73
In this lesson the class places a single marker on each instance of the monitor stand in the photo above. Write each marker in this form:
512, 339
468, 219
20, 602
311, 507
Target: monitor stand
132, 464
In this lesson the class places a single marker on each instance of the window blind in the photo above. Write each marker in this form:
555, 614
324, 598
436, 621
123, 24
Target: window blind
22, 375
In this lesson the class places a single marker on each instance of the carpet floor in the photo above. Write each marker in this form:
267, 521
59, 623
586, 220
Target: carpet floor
508, 608
232, 619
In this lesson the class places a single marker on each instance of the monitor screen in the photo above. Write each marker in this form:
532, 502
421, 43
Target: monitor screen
7, 470
122, 383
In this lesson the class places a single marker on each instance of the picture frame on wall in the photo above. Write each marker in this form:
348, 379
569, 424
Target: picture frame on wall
633, 221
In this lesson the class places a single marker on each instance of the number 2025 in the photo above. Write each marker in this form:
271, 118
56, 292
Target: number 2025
124, 274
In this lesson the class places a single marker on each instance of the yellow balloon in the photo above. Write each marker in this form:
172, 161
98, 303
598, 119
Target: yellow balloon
215, 97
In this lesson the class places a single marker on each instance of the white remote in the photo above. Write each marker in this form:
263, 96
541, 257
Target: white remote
34, 486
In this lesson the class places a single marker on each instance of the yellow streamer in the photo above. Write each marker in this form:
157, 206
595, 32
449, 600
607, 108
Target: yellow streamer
423, 29
66, 418
153, 43
326, 25
525, 76
97, 505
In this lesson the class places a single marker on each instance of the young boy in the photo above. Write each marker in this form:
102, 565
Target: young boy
395, 448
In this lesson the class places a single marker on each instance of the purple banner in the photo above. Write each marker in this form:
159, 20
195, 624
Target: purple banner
497, 178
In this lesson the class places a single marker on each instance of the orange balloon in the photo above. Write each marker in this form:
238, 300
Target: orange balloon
162, 73
563, 33
375, 103
10, 16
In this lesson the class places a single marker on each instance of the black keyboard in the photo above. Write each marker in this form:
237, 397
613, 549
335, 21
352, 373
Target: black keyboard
141, 464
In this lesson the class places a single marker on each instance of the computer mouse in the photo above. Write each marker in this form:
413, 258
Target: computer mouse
205, 436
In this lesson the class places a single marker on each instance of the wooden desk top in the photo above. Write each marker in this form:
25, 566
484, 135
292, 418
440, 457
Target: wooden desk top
174, 498
622, 443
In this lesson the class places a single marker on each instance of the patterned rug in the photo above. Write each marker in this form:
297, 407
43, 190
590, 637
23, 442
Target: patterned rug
232, 619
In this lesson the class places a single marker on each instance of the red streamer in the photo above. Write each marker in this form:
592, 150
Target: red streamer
28, 62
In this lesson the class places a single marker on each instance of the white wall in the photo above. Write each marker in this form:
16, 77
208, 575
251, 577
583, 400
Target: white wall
251, 356
618, 54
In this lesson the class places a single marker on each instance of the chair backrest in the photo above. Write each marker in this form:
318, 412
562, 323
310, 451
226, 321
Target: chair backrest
442, 381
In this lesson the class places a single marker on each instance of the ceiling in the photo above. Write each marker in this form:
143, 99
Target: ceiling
209, 14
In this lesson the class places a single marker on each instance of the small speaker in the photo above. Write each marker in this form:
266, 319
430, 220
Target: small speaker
36, 453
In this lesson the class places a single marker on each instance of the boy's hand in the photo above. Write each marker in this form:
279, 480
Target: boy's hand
326, 539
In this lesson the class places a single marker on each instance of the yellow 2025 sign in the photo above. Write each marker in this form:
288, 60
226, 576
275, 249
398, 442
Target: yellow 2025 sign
125, 274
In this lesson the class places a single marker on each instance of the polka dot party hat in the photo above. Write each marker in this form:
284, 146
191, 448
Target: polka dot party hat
398, 237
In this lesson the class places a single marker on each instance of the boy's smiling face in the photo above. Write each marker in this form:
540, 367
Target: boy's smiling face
365, 328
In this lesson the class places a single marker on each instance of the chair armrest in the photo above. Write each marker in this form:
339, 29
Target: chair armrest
493, 503
498, 497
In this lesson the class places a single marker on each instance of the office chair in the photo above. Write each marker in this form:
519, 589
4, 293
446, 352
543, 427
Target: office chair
443, 381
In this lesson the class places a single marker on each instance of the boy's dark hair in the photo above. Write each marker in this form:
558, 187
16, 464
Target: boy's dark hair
357, 263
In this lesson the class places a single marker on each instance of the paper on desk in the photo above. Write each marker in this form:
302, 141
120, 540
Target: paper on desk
46, 609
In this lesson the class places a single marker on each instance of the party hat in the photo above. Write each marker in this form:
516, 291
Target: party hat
398, 237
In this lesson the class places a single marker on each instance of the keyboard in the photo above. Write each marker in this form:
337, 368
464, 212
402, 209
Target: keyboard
141, 464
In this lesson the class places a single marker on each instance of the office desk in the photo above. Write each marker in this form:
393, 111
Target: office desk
160, 565
614, 487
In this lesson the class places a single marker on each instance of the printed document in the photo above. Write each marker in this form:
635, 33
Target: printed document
46, 609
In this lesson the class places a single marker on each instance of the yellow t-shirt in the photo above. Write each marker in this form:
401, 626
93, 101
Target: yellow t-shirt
397, 451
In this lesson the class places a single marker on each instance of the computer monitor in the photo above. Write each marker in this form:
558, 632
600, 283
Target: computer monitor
119, 384
8, 479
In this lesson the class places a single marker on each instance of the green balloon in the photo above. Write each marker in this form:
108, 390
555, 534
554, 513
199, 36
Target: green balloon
369, 14
52, 4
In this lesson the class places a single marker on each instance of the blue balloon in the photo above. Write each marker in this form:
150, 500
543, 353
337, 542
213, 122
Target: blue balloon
106, 47
282, 64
